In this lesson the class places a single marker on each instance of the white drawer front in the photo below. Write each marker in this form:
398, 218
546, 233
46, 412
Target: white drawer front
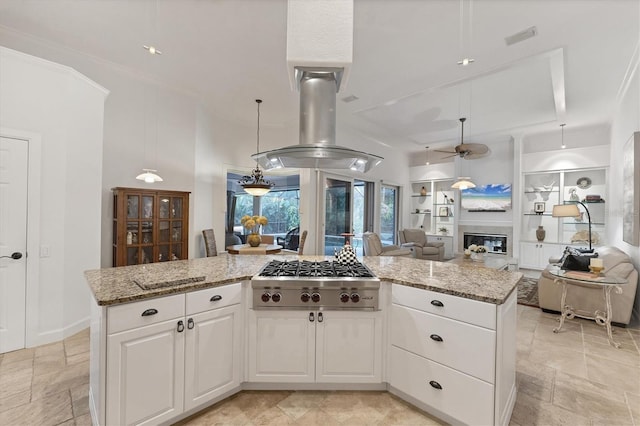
130, 315
459, 345
472, 311
213, 298
462, 397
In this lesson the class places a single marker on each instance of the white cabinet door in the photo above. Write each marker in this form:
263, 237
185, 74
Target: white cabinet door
536, 255
145, 374
282, 346
349, 347
212, 354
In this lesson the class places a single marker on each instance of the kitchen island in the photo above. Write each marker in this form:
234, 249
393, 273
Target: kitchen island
155, 316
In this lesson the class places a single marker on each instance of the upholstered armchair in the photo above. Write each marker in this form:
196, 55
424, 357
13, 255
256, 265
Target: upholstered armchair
373, 247
416, 240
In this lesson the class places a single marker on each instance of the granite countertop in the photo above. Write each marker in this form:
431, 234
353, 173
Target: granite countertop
112, 286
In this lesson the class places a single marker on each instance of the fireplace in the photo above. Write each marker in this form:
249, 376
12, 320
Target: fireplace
495, 243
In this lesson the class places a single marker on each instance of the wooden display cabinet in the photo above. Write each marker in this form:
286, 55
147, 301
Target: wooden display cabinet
149, 226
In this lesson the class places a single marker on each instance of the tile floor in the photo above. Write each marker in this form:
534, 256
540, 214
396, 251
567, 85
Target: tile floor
571, 378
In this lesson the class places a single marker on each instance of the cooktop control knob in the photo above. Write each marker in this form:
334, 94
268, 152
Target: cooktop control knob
276, 297
355, 297
344, 297
315, 297
305, 297
265, 296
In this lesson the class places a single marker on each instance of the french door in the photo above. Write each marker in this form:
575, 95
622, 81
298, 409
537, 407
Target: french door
338, 206
389, 196
347, 207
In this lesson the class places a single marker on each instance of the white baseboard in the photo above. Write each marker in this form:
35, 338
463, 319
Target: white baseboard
52, 336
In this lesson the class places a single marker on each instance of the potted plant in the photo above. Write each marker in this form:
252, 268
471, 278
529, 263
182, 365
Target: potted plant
443, 230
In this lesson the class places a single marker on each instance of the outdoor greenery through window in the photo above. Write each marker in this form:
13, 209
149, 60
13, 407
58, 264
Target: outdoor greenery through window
388, 214
279, 207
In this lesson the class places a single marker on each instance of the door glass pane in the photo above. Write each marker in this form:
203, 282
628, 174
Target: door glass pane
176, 232
146, 255
132, 256
132, 232
388, 214
362, 212
132, 206
337, 213
176, 207
164, 208
164, 231
176, 251
147, 207
147, 233
164, 253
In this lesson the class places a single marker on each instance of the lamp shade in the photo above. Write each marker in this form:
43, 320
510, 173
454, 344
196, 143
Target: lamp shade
463, 183
565, 210
257, 190
148, 176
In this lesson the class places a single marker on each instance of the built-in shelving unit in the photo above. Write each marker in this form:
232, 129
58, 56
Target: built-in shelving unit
435, 209
558, 187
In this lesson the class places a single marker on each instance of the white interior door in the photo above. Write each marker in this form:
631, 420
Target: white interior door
13, 239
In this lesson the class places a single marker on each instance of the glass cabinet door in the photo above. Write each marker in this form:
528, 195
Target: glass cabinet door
133, 202
176, 208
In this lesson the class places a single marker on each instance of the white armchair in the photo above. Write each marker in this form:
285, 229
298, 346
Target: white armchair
416, 240
373, 247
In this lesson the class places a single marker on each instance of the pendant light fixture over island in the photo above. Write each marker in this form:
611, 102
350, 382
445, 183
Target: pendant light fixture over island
255, 184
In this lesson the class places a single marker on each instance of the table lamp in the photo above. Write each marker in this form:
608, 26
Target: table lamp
571, 210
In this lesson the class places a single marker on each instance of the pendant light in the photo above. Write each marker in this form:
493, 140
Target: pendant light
255, 184
427, 162
149, 175
463, 182
563, 146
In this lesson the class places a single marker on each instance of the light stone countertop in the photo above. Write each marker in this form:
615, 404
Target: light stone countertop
112, 286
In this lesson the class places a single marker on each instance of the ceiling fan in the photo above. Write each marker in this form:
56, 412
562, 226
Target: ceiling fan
468, 151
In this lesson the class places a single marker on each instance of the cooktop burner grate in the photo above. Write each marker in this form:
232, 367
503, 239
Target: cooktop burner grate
307, 268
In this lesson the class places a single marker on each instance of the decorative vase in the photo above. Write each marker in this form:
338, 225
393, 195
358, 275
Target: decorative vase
423, 191
477, 257
541, 233
254, 240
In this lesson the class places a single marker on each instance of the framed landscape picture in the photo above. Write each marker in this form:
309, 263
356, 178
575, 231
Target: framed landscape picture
487, 198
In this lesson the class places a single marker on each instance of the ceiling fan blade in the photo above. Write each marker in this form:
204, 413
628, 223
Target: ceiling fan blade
446, 152
449, 156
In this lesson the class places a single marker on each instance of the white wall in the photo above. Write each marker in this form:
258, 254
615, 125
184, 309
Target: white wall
626, 122
66, 110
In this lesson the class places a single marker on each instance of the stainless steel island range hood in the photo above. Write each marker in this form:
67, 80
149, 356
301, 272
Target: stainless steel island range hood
317, 147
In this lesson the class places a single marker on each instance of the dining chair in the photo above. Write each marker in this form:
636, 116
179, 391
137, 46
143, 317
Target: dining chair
209, 242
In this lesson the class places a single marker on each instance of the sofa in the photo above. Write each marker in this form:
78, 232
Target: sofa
373, 247
586, 298
416, 241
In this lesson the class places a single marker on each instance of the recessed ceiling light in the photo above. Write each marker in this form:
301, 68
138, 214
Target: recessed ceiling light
152, 50
465, 61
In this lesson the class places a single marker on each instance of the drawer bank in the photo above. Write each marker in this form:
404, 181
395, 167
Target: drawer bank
443, 338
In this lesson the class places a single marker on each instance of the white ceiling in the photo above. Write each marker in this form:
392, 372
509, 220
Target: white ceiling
411, 90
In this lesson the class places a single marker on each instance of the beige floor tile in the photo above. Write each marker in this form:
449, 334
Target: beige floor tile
51, 410
22, 368
633, 402
50, 349
78, 358
613, 374
45, 364
272, 416
530, 411
410, 416
16, 382
67, 378
298, 404
252, 403
84, 420
605, 350
594, 400
15, 400
21, 355
75, 346
316, 417
535, 380
562, 359
382, 402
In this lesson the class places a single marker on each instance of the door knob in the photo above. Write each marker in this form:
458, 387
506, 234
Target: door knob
15, 255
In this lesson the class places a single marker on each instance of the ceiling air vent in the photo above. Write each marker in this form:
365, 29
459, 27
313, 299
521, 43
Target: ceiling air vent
521, 36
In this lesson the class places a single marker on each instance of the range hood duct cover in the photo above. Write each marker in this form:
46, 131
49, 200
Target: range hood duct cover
317, 147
